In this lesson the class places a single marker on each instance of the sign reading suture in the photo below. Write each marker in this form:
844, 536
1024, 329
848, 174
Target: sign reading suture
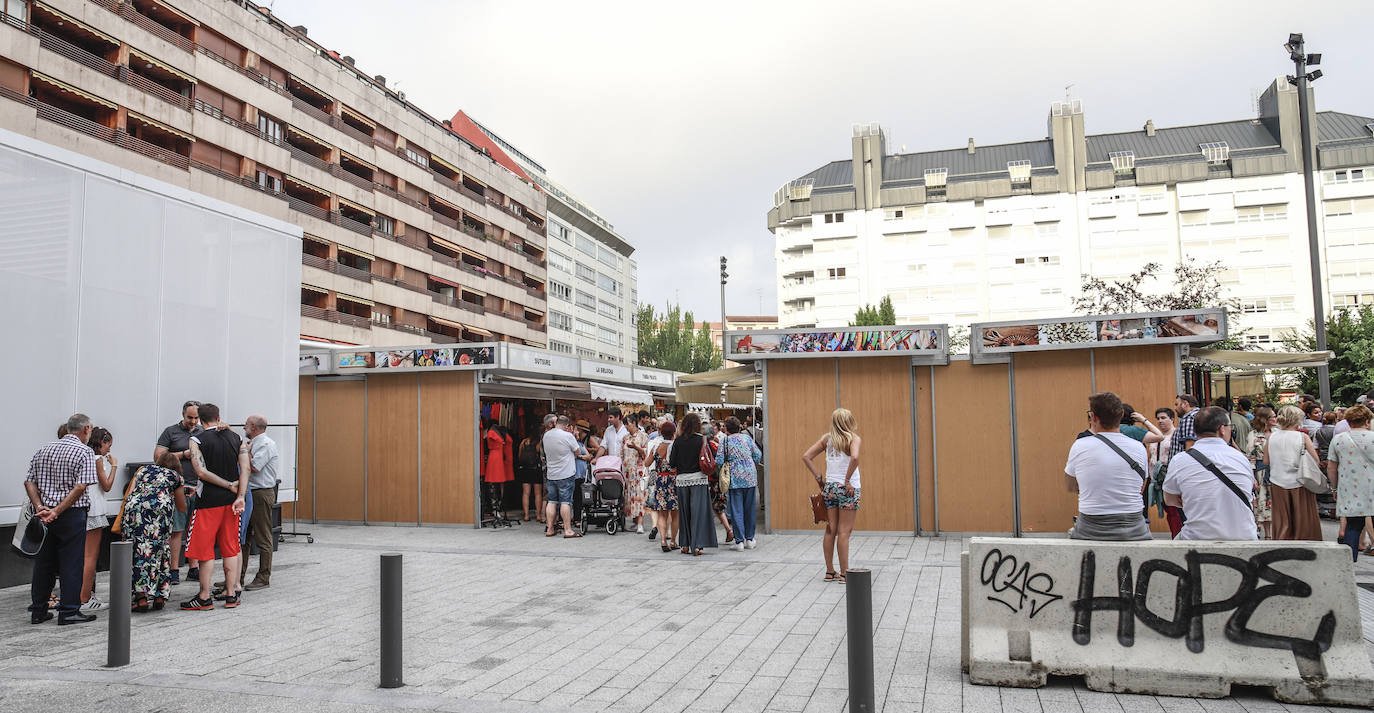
928, 340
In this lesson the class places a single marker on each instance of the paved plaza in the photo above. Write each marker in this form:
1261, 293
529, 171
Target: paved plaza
511, 621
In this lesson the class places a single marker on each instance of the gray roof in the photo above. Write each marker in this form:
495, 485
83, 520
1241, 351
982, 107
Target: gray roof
1183, 142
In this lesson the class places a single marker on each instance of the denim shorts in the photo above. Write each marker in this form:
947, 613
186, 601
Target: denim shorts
181, 521
560, 491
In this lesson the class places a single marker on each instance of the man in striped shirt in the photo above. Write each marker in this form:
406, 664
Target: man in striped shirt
56, 484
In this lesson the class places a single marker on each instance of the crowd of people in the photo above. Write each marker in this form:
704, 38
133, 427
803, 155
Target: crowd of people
207, 488
1223, 472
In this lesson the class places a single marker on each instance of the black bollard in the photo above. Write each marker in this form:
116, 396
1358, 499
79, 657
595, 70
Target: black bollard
858, 595
121, 582
391, 620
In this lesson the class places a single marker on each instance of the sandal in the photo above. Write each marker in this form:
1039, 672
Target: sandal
698, 552
140, 603
686, 551
159, 602
729, 535
572, 535
840, 578
549, 533
830, 576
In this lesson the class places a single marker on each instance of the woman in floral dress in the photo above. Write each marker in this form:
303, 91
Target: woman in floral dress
154, 492
634, 451
1264, 513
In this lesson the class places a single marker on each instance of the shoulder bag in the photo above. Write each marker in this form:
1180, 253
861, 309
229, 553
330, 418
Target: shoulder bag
118, 526
1207, 463
724, 476
1310, 475
1129, 460
707, 460
818, 508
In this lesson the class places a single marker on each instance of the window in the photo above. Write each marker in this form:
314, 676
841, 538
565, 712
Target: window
1255, 306
558, 320
381, 318
834, 217
586, 353
893, 214
585, 328
560, 347
586, 300
560, 290
1123, 161
386, 225
607, 256
561, 262
1019, 171
1352, 175
1047, 291
936, 177
608, 336
606, 309
1216, 152
417, 157
269, 128
586, 246
1259, 338
559, 231
586, 274
607, 283
836, 273
269, 182
1257, 214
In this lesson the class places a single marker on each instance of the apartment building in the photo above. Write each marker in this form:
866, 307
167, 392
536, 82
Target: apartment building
592, 286
1006, 231
413, 233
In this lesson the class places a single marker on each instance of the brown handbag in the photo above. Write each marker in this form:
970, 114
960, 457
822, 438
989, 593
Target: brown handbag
818, 508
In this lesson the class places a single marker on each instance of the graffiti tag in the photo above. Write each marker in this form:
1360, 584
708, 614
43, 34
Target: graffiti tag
1014, 586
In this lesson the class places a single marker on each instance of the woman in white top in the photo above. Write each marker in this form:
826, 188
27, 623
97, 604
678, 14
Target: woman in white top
1294, 507
97, 515
840, 486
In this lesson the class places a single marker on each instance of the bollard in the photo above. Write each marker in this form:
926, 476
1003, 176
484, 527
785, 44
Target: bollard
121, 582
391, 620
858, 595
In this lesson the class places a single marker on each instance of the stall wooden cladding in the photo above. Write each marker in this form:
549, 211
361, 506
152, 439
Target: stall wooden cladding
1143, 377
339, 445
1052, 390
392, 475
801, 395
448, 405
972, 424
878, 391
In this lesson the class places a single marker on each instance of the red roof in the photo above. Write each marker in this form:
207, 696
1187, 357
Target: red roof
465, 127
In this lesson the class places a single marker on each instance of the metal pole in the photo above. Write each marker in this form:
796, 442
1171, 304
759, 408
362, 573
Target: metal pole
121, 582
723, 275
858, 597
391, 620
1298, 53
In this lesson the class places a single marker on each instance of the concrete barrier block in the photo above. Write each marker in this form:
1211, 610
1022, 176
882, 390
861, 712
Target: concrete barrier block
1166, 617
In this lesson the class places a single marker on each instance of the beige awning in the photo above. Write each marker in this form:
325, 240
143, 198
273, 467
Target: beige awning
313, 288
315, 238
69, 88
354, 113
359, 253
160, 125
76, 22
355, 159
733, 376
359, 300
451, 246
360, 208
444, 163
447, 323
735, 384
1242, 382
478, 330
1236, 359
308, 137
162, 65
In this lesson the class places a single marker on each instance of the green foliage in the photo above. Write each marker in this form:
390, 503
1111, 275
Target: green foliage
1195, 286
884, 315
959, 338
1350, 336
671, 340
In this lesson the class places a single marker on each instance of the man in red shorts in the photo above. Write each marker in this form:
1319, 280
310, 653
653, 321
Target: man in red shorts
217, 454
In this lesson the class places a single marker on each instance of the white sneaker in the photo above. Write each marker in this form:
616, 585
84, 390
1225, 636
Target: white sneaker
639, 529
750, 544
738, 547
94, 604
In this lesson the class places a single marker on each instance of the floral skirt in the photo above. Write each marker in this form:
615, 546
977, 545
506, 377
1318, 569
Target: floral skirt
664, 496
634, 494
718, 501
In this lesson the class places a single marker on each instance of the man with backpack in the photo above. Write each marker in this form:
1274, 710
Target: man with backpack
1212, 482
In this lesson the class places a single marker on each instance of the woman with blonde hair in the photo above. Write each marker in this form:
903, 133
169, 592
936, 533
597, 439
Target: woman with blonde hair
840, 485
1294, 507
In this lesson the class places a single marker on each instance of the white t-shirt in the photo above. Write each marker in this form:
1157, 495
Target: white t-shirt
560, 452
1107, 485
614, 437
1213, 511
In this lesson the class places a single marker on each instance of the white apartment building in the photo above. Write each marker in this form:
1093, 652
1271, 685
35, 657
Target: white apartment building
1007, 231
592, 280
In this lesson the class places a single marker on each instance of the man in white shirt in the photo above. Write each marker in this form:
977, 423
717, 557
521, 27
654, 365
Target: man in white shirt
264, 462
1107, 469
615, 433
1216, 511
561, 450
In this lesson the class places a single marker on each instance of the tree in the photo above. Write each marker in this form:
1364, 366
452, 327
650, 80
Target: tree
883, 315
672, 340
1195, 286
1350, 336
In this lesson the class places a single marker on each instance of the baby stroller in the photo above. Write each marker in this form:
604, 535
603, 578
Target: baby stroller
603, 502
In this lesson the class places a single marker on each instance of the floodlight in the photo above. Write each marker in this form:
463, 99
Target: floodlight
1314, 75
1314, 58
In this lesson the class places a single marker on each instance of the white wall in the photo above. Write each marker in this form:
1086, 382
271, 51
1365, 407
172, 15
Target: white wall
126, 296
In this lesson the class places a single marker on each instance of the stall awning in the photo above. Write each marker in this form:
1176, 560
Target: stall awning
712, 407
621, 394
733, 385
1264, 361
1241, 382
733, 376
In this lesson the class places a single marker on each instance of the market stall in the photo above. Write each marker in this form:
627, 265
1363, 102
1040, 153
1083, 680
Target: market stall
1209, 373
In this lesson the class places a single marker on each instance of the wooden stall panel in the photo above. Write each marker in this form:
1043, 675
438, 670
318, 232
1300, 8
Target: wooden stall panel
1143, 377
305, 463
878, 391
801, 395
447, 437
925, 446
392, 458
339, 437
1052, 390
973, 434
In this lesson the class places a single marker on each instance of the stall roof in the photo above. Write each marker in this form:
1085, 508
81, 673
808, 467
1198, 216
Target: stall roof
733, 376
1237, 359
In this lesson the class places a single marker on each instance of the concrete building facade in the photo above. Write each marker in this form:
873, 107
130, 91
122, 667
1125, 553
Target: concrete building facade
413, 233
1007, 231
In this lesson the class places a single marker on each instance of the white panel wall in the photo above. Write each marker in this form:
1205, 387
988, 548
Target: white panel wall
126, 297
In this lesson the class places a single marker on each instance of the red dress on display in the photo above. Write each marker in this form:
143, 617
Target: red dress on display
494, 446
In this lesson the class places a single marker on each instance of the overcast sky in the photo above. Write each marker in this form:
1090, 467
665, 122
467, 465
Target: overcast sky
678, 121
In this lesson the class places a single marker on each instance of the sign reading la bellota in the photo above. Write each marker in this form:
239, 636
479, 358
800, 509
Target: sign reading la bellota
1166, 617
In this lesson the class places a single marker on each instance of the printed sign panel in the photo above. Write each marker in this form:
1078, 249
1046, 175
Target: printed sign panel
852, 341
468, 356
653, 377
541, 361
1204, 326
606, 372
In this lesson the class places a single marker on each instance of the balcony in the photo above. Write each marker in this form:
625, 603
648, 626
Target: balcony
67, 47
249, 73
335, 267
119, 137
149, 86
335, 316
126, 10
457, 303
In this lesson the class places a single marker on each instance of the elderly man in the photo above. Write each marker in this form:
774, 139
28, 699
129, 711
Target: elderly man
1199, 480
56, 484
264, 462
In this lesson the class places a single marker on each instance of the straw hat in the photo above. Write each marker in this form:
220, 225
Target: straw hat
582, 424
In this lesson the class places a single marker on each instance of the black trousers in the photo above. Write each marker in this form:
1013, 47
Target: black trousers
63, 555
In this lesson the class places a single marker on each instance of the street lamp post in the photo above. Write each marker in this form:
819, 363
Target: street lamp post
1301, 77
723, 275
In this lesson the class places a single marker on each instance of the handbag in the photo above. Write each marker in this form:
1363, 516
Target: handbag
707, 460
724, 477
1310, 475
29, 532
818, 508
117, 527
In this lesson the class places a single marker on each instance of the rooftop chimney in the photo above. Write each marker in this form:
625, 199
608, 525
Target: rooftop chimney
1149, 127
970, 145
301, 30
349, 60
380, 80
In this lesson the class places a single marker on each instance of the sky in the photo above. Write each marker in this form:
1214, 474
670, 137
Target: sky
678, 121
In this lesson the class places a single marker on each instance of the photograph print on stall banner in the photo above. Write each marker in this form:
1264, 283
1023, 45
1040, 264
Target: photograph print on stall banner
469, 357
834, 342
1198, 326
